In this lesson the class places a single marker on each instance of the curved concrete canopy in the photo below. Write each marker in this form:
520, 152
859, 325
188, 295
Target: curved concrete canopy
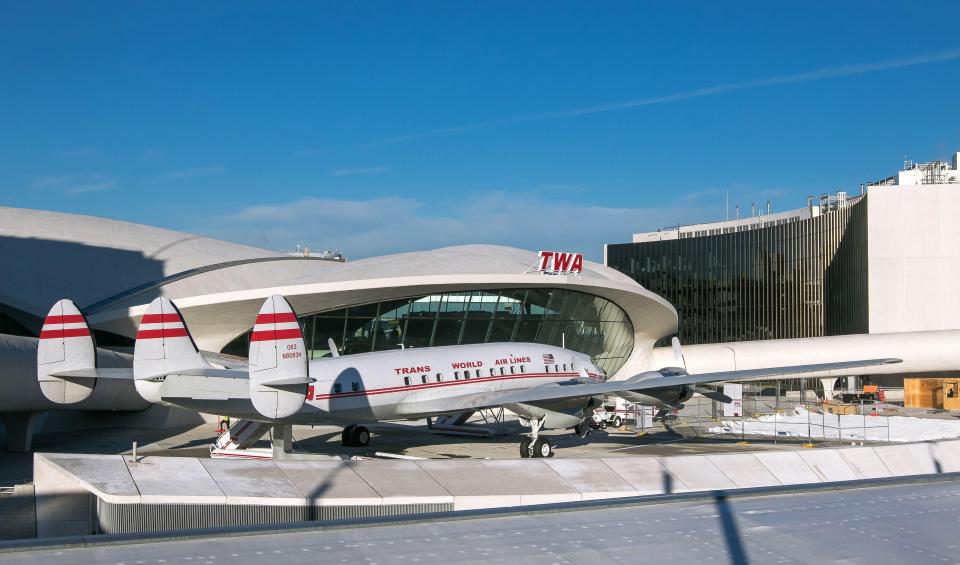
89, 259
218, 306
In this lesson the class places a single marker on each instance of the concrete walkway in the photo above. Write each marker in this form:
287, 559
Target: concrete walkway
65, 482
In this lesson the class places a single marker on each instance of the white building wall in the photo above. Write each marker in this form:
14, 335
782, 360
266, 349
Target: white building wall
914, 257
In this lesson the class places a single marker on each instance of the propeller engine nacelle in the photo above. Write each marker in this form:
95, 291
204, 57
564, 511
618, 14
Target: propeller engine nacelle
565, 413
668, 396
672, 397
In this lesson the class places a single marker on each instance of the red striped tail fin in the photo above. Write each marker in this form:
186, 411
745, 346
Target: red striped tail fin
163, 347
279, 371
65, 345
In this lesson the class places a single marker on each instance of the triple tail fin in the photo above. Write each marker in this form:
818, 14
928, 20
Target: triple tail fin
65, 345
279, 372
163, 347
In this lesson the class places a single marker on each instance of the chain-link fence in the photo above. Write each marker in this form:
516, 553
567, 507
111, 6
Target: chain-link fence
774, 418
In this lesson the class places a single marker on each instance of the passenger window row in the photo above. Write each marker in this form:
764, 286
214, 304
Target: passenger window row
468, 375
407, 381
338, 387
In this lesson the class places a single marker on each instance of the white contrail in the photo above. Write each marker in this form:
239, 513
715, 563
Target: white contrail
809, 76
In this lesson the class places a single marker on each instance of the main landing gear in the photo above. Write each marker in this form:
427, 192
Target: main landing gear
355, 436
582, 429
535, 446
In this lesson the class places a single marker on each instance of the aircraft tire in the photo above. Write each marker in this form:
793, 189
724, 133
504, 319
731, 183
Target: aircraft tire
360, 436
346, 436
542, 448
582, 429
525, 447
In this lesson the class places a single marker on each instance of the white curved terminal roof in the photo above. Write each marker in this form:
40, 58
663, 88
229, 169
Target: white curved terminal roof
51, 255
89, 259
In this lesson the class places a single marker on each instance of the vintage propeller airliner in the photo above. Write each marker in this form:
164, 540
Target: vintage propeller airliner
546, 386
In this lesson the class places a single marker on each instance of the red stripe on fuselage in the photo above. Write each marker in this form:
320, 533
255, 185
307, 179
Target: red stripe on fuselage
401, 388
159, 318
273, 335
68, 319
72, 332
164, 333
276, 318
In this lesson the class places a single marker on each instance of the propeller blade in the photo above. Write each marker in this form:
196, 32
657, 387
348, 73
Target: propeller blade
713, 394
678, 353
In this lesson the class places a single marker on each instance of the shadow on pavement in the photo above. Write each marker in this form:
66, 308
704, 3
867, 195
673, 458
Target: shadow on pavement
731, 533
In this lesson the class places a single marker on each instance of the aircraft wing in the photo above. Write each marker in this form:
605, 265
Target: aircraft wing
233, 368
122, 373
126, 373
225, 360
198, 388
199, 384
655, 380
214, 373
211, 372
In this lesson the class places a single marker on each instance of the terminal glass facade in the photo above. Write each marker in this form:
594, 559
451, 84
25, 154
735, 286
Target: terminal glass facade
581, 322
803, 278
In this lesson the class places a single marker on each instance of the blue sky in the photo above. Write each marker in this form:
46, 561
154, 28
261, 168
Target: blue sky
390, 126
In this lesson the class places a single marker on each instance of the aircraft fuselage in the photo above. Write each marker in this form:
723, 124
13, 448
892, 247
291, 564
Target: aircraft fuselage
416, 383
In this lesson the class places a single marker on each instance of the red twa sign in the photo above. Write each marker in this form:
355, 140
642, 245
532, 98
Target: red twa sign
559, 262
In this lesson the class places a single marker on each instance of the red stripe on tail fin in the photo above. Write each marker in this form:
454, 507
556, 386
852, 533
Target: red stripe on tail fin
160, 318
71, 332
68, 319
273, 335
276, 318
163, 333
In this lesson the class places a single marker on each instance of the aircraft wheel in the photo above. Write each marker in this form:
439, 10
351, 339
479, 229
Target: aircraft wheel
360, 436
525, 447
345, 438
582, 429
542, 448
617, 422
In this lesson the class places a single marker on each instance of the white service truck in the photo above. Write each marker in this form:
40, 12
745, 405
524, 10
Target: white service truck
614, 412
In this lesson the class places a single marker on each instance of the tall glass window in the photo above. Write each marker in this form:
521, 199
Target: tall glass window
581, 322
804, 278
